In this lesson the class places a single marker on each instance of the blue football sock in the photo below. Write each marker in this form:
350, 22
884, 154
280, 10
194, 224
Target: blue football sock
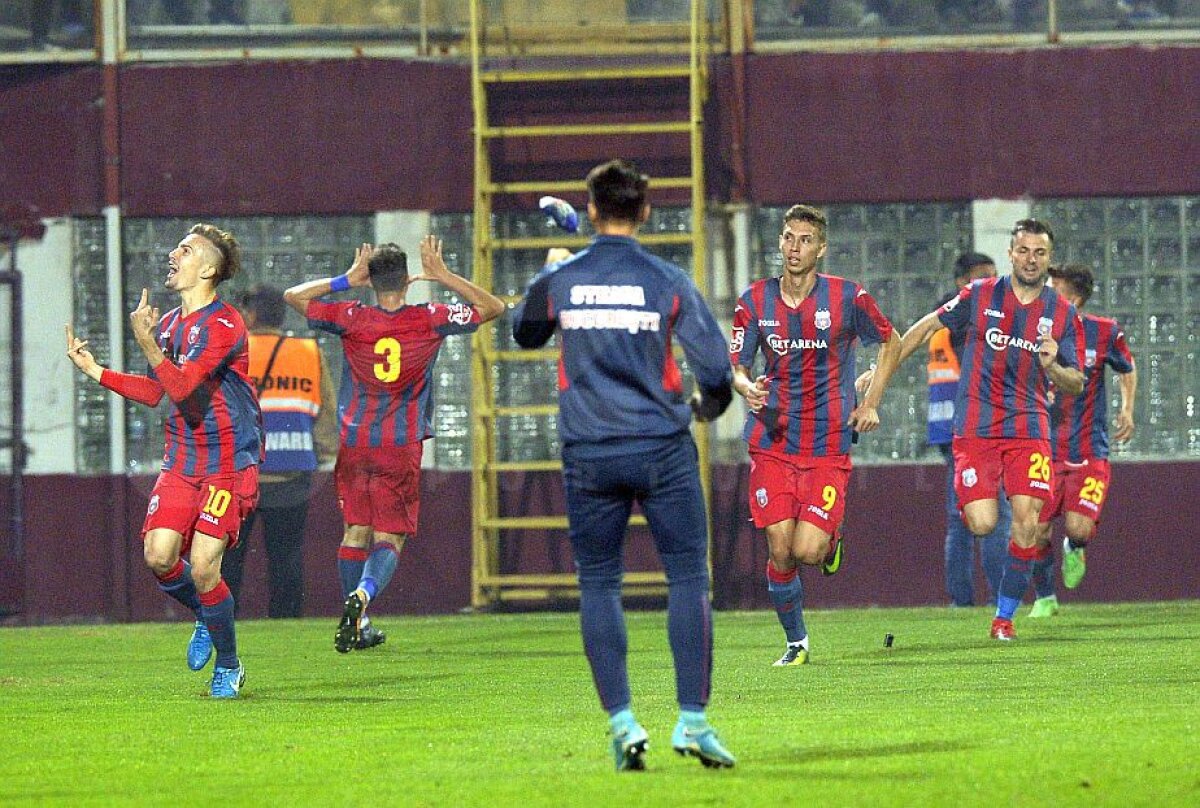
787, 594
216, 608
379, 568
351, 561
179, 585
1042, 573
605, 643
693, 718
689, 629
1015, 581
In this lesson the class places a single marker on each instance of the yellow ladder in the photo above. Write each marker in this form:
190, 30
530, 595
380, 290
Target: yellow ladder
509, 63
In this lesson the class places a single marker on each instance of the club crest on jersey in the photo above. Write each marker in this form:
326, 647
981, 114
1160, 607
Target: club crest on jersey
1044, 325
193, 334
459, 314
153, 506
738, 340
761, 496
1089, 358
969, 478
823, 320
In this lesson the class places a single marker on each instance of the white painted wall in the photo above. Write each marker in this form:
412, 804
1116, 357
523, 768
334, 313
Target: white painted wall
993, 220
49, 377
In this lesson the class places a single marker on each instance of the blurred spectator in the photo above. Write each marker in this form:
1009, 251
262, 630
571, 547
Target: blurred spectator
220, 12
71, 23
296, 395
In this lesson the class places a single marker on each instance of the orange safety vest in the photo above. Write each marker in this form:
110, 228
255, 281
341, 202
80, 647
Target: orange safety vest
944, 372
290, 399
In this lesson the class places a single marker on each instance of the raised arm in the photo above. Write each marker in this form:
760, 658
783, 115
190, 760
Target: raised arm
433, 268
134, 387
357, 275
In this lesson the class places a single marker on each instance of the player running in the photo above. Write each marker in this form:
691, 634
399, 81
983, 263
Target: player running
803, 413
1079, 433
1019, 337
198, 358
385, 408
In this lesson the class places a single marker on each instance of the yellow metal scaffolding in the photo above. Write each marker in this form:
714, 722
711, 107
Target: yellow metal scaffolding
496, 45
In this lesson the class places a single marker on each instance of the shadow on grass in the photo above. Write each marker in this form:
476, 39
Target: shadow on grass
790, 757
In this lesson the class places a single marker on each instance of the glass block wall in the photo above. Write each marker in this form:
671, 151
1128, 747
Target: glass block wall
90, 246
903, 255
1145, 254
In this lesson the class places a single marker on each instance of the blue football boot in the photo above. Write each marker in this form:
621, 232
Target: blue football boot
628, 746
226, 682
200, 647
701, 742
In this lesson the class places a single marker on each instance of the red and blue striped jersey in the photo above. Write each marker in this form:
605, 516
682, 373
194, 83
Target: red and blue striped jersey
215, 425
1002, 391
809, 353
1085, 434
384, 398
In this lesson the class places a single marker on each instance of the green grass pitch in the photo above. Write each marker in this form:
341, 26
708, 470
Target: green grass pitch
1097, 706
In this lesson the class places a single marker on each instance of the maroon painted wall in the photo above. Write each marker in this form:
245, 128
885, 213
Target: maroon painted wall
50, 139
366, 135
973, 125
83, 561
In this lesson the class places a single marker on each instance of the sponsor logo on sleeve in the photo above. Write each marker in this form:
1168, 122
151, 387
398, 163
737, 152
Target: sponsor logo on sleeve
738, 341
459, 314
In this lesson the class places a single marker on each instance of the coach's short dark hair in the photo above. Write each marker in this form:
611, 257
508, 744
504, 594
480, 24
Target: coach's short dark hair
388, 268
227, 246
1035, 226
1077, 276
618, 190
267, 304
807, 213
968, 261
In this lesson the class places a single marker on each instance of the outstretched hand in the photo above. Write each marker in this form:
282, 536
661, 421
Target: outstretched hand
359, 273
79, 355
144, 319
433, 267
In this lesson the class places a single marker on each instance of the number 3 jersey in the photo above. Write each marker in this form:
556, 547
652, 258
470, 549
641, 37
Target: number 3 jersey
384, 398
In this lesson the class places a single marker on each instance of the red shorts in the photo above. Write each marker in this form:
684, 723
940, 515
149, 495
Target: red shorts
214, 504
1023, 463
380, 486
1078, 488
808, 489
